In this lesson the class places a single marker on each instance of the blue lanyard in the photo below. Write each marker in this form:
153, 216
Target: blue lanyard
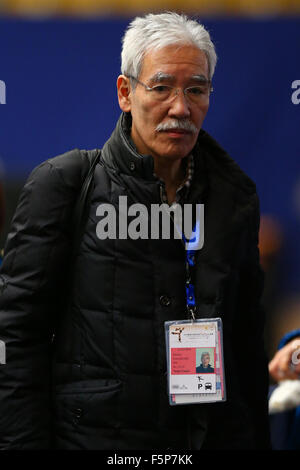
190, 263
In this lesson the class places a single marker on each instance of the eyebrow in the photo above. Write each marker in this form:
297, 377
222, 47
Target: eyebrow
162, 76
200, 78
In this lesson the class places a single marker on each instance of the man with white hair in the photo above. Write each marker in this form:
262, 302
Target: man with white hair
107, 387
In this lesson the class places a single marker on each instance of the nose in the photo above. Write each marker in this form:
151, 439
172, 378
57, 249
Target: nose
179, 106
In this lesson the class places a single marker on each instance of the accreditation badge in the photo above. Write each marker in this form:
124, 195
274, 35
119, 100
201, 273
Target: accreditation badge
195, 361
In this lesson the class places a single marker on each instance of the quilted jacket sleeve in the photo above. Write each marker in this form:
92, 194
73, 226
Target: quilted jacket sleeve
289, 337
250, 350
32, 283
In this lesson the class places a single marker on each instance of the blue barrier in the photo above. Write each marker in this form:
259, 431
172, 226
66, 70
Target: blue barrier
60, 81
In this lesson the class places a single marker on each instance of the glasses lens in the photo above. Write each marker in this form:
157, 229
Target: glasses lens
198, 94
162, 92
195, 94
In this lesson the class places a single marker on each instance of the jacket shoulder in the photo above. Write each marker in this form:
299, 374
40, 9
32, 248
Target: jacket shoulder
219, 161
52, 185
72, 166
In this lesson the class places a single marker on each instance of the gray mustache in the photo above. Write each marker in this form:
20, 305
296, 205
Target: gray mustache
183, 124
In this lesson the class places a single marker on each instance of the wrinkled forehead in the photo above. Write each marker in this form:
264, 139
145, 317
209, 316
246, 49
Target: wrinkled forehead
166, 62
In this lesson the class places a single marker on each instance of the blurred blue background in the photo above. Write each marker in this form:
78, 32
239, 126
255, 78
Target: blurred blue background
60, 77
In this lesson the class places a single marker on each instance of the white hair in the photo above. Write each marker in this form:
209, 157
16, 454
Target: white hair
205, 354
155, 31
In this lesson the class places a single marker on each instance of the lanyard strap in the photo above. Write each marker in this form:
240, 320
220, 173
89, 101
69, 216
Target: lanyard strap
190, 263
190, 288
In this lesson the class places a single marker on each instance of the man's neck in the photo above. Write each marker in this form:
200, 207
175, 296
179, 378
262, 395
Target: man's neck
172, 173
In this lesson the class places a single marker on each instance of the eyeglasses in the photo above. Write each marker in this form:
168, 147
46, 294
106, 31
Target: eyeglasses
194, 94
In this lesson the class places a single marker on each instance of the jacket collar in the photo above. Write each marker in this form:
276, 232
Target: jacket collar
210, 158
120, 154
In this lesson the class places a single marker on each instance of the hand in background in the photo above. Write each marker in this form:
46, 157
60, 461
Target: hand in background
285, 365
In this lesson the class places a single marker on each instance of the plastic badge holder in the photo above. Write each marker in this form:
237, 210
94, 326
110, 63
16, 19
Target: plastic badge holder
187, 343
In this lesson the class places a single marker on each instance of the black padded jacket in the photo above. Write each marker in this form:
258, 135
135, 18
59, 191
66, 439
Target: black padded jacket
85, 349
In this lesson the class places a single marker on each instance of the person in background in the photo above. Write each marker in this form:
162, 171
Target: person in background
285, 365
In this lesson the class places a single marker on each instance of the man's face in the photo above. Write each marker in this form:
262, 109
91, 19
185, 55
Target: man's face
205, 360
181, 66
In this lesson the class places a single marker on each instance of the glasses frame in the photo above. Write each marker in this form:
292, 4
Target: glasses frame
149, 88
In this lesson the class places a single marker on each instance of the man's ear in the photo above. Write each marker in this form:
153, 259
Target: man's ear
124, 93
